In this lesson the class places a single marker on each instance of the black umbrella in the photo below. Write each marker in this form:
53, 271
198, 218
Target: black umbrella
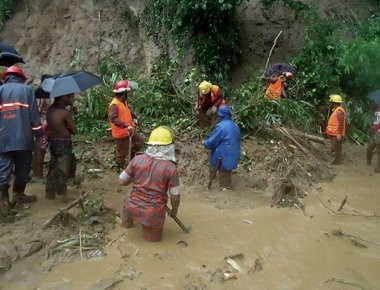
375, 96
279, 68
69, 83
8, 55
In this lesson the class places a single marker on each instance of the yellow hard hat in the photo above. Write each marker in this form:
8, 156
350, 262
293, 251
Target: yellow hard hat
205, 87
161, 136
336, 99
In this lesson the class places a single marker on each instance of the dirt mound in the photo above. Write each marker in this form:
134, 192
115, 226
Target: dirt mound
50, 35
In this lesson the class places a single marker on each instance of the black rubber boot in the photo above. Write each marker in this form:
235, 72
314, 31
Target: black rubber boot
20, 196
4, 198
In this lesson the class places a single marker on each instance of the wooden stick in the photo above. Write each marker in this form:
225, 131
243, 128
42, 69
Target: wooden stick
343, 213
271, 50
342, 204
213, 174
185, 229
80, 243
62, 210
338, 280
353, 239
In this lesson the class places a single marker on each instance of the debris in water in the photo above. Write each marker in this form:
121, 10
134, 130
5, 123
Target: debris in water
247, 221
233, 264
228, 276
182, 244
257, 265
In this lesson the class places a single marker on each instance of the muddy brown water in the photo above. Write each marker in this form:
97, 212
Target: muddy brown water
295, 251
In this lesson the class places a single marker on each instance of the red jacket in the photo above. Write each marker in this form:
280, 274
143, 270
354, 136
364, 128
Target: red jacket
376, 121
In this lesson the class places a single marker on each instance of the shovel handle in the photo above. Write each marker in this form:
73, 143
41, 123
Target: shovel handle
213, 173
185, 229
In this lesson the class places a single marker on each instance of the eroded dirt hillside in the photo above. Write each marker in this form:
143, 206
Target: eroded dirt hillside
49, 32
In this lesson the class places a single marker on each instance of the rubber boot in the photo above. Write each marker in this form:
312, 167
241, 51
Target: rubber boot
369, 157
20, 196
4, 198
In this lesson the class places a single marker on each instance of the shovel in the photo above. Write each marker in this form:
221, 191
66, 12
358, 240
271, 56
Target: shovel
185, 229
213, 173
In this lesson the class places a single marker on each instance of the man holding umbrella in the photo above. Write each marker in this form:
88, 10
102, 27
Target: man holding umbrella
121, 118
19, 124
374, 142
61, 126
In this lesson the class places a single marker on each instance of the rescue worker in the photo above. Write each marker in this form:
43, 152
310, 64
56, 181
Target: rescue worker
277, 89
152, 175
374, 142
224, 144
19, 124
336, 128
210, 97
121, 118
62, 160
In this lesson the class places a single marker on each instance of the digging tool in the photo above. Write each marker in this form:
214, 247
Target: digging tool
185, 229
213, 173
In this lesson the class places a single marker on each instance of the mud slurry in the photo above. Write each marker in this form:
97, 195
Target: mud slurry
291, 245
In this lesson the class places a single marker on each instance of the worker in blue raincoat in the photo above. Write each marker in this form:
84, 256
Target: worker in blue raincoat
19, 124
224, 144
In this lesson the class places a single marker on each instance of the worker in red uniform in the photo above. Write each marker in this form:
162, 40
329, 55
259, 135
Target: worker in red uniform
121, 118
152, 175
336, 128
210, 98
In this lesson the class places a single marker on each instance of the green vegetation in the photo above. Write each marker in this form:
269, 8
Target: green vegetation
158, 100
337, 57
211, 26
6, 10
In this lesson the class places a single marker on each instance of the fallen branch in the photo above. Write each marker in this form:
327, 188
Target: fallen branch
342, 204
313, 138
338, 280
344, 213
63, 210
303, 149
354, 240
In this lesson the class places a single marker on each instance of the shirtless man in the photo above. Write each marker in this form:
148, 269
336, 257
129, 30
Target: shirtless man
62, 162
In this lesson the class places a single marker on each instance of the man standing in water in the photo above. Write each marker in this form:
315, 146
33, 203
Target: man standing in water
62, 162
224, 144
152, 175
336, 128
374, 143
122, 125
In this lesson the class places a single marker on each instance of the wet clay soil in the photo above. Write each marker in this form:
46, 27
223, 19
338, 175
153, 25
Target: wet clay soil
291, 244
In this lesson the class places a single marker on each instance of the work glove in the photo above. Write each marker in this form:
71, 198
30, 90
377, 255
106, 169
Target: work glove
214, 109
339, 137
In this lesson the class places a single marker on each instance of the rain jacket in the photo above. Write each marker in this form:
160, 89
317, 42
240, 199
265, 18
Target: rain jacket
19, 116
224, 141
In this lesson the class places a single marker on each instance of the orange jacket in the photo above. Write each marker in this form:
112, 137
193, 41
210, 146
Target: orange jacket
274, 90
333, 123
124, 115
215, 91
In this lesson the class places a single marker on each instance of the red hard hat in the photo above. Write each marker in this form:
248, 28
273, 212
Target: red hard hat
121, 87
14, 70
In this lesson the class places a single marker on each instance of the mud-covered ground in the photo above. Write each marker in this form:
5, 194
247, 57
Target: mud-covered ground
234, 234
